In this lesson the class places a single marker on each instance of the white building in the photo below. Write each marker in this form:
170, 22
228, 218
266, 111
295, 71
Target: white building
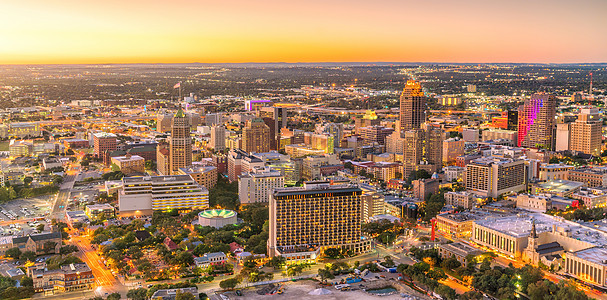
218, 138
256, 185
141, 195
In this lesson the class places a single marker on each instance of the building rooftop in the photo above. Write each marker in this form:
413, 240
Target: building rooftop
313, 189
197, 169
101, 135
597, 170
560, 185
461, 249
491, 160
520, 226
100, 206
127, 158
596, 255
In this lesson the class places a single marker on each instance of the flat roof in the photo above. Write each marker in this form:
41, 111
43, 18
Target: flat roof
104, 134
560, 185
460, 249
595, 254
520, 226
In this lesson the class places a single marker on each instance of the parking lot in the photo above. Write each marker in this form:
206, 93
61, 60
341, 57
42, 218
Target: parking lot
22, 216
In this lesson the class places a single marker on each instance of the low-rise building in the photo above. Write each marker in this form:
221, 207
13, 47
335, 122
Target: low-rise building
95, 210
39, 243
67, 278
591, 197
559, 187
591, 177
459, 251
208, 259
130, 164
171, 294
537, 203
422, 188
203, 175
454, 173
463, 199
554, 171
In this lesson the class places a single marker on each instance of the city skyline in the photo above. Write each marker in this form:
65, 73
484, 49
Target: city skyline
67, 31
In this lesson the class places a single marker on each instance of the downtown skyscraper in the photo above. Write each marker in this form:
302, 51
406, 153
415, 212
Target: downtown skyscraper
180, 144
412, 106
536, 121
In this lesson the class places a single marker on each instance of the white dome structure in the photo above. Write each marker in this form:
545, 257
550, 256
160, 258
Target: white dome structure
217, 217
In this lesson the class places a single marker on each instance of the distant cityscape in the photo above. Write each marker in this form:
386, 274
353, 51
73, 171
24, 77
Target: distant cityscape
201, 181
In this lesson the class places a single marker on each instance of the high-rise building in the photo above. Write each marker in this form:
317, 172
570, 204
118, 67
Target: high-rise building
586, 132
412, 106
315, 216
493, 176
180, 144
563, 137
257, 185
452, 148
104, 143
536, 122
218, 138
256, 136
375, 134
276, 119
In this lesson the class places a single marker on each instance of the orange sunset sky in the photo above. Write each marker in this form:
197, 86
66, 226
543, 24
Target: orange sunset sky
179, 31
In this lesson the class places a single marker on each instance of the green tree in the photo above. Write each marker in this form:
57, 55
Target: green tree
27, 180
137, 294
40, 227
325, 274
28, 255
332, 252
13, 253
114, 296
229, 284
27, 281
184, 296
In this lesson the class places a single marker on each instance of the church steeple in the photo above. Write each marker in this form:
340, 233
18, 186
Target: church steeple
533, 231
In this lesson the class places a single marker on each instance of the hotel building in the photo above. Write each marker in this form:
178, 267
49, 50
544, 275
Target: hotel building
142, 195
315, 216
493, 176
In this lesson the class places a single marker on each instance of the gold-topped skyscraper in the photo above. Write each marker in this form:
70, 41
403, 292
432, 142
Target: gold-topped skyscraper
180, 145
412, 106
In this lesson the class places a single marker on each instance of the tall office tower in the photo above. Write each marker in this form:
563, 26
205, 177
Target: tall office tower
536, 121
433, 145
256, 136
412, 106
104, 143
218, 138
276, 118
315, 216
180, 144
586, 132
422, 149
413, 150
